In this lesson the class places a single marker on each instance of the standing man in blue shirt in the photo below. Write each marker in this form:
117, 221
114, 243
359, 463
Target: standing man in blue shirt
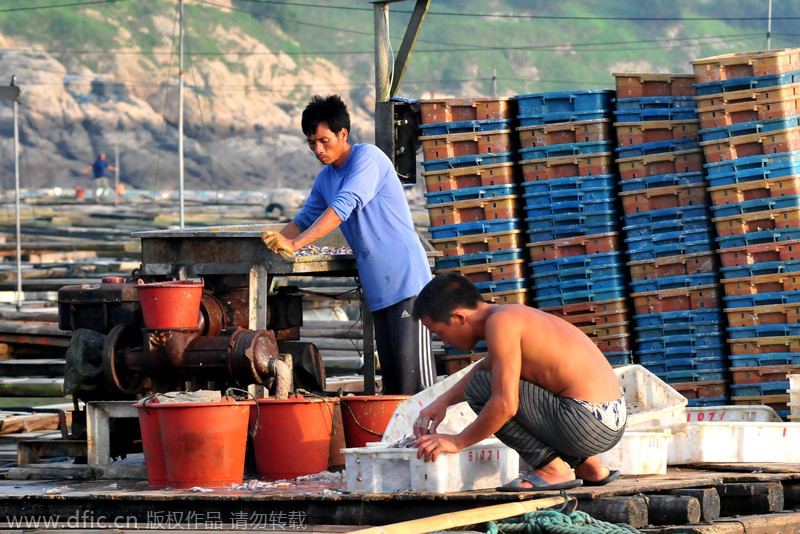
98, 168
359, 191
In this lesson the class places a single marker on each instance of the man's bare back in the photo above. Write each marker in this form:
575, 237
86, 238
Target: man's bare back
554, 353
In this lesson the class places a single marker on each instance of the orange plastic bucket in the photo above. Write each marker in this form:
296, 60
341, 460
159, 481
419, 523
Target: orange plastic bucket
174, 304
151, 443
293, 436
365, 417
204, 443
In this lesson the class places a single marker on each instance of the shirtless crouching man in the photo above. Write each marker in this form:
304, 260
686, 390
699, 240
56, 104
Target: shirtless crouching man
544, 388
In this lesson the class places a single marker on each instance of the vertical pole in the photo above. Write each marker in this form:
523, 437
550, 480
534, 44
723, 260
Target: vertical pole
180, 111
16, 205
382, 82
494, 82
769, 26
275, 163
369, 348
116, 173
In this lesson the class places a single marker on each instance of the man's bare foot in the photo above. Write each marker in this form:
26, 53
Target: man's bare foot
530, 481
555, 473
592, 471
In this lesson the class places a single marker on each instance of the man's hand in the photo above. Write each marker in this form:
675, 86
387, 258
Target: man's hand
276, 242
429, 419
429, 446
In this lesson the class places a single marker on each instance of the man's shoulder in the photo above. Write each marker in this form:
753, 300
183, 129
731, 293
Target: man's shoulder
505, 314
512, 309
370, 150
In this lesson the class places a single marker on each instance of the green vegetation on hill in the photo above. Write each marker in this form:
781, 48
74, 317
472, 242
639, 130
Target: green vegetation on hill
458, 51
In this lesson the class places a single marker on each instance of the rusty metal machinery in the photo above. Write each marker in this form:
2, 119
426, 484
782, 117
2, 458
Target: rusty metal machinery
216, 354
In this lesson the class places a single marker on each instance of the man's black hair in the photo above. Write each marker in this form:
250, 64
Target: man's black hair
443, 294
330, 110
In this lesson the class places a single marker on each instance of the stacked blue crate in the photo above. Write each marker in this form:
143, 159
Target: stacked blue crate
472, 198
679, 322
748, 107
571, 216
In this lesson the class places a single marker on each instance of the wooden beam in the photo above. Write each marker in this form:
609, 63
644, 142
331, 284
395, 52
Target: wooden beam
16, 422
464, 517
31, 387
708, 499
409, 39
672, 509
757, 524
750, 498
32, 451
791, 494
630, 510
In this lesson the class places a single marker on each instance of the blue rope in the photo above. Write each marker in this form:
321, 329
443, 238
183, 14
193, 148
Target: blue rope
553, 522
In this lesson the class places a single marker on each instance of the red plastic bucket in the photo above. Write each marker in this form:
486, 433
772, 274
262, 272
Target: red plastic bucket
204, 443
366, 417
151, 443
174, 304
293, 436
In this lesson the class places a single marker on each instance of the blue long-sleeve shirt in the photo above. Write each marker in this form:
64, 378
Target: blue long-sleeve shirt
368, 197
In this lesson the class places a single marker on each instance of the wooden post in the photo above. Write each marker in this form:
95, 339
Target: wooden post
708, 499
369, 349
382, 74
630, 510
750, 498
672, 509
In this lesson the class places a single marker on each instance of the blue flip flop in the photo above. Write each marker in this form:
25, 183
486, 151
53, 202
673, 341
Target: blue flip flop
612, 475
539, 484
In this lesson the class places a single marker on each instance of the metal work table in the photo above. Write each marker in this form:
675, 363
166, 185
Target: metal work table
231, 251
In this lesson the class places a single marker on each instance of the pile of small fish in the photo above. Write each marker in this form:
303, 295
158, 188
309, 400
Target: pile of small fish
313, 250
405, 442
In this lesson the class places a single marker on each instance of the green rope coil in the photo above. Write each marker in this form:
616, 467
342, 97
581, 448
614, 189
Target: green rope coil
553, 522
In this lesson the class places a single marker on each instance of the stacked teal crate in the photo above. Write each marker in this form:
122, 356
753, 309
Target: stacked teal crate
749, 110
577, 263
473, 200
679, 323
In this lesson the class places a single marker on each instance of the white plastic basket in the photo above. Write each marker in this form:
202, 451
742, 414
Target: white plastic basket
651, 402
639, 452
735, 442
458, 416
487, 464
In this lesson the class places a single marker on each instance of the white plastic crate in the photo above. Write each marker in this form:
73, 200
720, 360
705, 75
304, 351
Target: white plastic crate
731, 414
651, 402
487, 464
458, 416
639, 452
735, 442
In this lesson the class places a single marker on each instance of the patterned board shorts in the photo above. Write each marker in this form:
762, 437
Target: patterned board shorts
613, 414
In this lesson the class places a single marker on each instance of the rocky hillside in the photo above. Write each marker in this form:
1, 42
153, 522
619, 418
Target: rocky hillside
98, 75
234, 137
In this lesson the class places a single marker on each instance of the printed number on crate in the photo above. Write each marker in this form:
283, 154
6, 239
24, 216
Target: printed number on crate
705, 416
483, 455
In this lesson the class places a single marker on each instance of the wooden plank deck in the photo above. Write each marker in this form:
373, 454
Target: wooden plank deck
324, 500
